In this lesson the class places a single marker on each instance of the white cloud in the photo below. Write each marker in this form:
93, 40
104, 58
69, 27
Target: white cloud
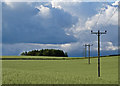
67, 6
110, 46
105, 46
81, 11
65, 45
44, 11
55, 5
116, 3
79, 26
108, 16
81, 30
68, 47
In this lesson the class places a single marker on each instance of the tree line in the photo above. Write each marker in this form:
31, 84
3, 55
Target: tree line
45, 52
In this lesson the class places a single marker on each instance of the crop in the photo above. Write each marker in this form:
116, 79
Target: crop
60, 71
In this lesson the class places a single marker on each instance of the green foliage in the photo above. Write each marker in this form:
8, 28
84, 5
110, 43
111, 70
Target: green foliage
60, 71
45, 52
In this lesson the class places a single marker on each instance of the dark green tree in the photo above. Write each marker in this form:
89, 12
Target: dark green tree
45, 52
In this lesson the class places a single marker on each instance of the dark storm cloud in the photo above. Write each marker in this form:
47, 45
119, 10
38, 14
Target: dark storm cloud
22, 24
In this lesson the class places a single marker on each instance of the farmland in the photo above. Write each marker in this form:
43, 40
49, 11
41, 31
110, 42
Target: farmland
76, 71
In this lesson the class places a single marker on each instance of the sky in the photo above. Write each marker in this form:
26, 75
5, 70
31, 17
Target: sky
59, 25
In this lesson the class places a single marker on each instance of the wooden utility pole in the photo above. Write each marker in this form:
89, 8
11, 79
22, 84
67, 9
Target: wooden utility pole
88, 51
98, 34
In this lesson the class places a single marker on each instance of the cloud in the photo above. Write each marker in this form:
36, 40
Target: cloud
59, 25
76, 8
110, 46
27, 26
116, 3
81, 30
16, 49
82, 11
44, 11
0, 28
73, 49
106, 46
108, 15
0, 22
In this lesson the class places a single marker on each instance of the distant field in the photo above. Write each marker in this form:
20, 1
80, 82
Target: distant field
39, 58
42, 58
36, 57
59, 71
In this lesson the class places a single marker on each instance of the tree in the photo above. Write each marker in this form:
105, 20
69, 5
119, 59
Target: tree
46, 52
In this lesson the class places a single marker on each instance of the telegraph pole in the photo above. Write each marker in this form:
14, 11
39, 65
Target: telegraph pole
88, 51
98, 34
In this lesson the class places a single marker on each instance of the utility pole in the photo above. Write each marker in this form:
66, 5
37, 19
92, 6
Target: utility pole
98, 34
85, 50
88, 51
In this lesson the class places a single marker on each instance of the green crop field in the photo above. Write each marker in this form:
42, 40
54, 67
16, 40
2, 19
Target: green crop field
42, 57
60, 71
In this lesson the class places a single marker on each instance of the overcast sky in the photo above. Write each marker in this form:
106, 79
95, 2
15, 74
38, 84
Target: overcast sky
59, 25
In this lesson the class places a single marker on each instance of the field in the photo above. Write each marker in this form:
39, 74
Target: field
40, 58
76, 71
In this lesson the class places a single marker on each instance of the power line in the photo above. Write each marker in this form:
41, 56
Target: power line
95, 25
112, 15
104, 25
99, 15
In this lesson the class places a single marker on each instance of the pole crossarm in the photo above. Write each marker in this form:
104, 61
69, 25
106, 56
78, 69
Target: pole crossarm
94, 32
98, 33
103, 32
89, 44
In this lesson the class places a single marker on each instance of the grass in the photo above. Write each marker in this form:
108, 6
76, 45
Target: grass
39, 58
36, 57
60, 71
